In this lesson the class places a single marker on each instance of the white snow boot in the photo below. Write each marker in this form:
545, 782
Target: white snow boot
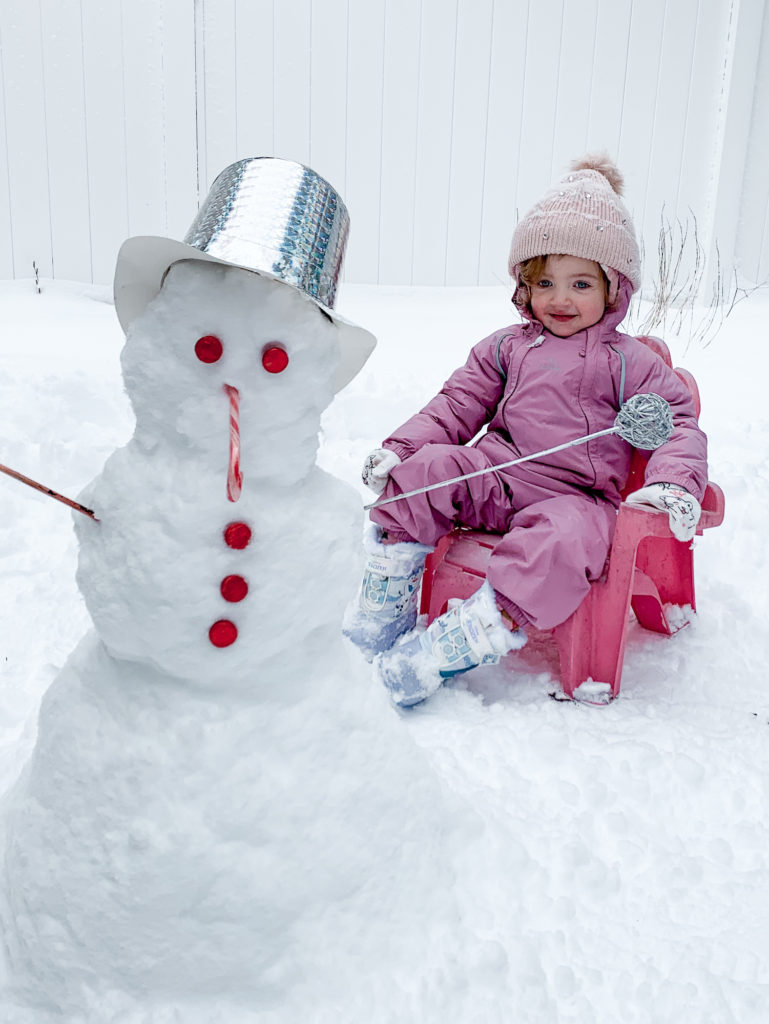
386, 606
470, 634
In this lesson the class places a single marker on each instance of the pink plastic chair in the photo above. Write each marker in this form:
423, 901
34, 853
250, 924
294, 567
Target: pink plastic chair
648, 570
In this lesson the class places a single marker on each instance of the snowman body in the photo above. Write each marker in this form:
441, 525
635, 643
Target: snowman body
244, 823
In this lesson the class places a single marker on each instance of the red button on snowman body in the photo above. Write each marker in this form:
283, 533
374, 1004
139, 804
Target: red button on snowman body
233, 588
223, 633
237, 535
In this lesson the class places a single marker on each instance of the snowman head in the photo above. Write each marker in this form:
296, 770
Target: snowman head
225, 360
274, 217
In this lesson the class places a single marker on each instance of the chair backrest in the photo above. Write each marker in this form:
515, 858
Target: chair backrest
658, 347
638, 462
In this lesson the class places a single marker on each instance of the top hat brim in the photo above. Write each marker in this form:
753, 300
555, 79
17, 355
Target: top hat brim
142, 263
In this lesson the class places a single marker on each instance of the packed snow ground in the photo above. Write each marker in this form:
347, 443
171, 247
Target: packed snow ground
625, 873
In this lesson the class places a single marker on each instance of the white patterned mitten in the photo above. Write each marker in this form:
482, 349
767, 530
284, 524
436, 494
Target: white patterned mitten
682, 508
376, 468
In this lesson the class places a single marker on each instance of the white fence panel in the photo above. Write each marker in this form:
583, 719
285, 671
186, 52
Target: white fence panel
328, 94
27, 144
637, 131
105, 134
179, 120
702, 131
739, 91
576, 67
138, 73
255, 91
539, 101
671, 31
365, 63
143, 118
468, 142
439, 121
684, 143
402, 38
753, 235
6, 228
293, 60
609, 67
434, 126
65, 116
217, 87
503, 143
468, 138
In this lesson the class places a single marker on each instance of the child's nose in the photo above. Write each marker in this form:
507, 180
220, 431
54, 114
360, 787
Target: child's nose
560, 297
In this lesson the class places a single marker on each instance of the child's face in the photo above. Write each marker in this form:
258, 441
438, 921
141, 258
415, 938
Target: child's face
569, 296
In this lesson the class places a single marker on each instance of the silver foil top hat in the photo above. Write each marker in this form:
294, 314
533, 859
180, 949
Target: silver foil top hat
277, 217
274, 217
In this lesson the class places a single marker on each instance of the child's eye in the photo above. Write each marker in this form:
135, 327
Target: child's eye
581, 284
544, 283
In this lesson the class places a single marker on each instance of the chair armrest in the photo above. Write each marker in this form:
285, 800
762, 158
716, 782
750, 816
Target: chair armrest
712, 513
641, 521
713, 506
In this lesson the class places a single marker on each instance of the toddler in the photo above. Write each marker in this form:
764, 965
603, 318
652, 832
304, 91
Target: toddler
561, 374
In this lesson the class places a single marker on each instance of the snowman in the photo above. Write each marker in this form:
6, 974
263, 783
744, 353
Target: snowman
222, 818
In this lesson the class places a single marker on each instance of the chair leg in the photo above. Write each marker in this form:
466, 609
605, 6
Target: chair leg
433, 564
650, 609
591, 642
670, 564
574, 654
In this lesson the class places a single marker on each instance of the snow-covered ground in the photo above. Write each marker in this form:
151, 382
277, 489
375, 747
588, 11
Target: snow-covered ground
624, 873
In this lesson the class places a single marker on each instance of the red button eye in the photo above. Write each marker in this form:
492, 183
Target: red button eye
237, 535
208, 349
274, 358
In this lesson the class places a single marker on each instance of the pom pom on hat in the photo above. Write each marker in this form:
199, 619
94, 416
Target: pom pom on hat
602, 163
583, 216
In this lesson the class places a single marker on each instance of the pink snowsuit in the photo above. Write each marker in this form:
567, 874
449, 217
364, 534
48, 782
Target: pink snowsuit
533, 391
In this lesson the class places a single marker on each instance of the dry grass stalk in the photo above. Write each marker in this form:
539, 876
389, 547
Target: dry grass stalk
677, 286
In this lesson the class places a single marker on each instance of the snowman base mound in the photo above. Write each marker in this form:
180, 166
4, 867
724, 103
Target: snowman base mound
169, 843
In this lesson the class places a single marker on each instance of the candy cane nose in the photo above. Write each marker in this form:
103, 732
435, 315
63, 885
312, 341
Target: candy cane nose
234, 476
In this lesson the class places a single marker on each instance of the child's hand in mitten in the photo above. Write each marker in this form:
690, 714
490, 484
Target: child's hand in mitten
376, 468
682, 508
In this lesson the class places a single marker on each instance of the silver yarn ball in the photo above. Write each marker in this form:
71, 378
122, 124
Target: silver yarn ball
645, 421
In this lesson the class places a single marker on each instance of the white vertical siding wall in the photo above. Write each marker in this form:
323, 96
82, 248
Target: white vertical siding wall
26, 139
753, 233
98, 130
438, 120
399, 141
737, 103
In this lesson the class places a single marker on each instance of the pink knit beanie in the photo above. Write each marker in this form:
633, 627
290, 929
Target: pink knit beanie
582, 215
